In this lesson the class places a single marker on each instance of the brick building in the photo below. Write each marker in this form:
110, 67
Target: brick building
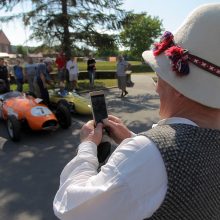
5, 45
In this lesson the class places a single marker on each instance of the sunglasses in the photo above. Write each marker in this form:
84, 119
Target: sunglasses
155, 79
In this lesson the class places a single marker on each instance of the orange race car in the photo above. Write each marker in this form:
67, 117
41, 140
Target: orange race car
19, 109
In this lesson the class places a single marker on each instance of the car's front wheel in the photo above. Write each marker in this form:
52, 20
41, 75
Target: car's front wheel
63, 116
13, 128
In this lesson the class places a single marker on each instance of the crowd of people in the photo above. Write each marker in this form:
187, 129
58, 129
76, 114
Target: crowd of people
37, 74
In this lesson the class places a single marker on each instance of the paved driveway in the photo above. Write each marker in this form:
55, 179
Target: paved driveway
30, 169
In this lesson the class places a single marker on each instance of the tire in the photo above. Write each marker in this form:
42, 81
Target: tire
69, 106
31, 94
13, 128
63, 102
63, 116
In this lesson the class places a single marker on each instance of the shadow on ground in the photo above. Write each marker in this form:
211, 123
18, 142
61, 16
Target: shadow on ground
30, 169
30, 172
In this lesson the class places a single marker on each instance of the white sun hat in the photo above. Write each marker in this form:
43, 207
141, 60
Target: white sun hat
200, 67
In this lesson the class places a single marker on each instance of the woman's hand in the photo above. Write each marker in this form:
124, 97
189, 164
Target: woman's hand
91, 133
118, 131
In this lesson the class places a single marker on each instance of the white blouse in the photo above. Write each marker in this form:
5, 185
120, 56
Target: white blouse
130, 186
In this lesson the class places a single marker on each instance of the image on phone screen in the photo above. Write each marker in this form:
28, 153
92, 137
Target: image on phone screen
98, 106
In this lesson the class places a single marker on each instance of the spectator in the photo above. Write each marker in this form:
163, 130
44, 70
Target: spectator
91, 70
73, 72
49, 69
30, 73
49, 64
9, 68
41, 78
122, 66
4, 75
61, 66
172, 171
19, 76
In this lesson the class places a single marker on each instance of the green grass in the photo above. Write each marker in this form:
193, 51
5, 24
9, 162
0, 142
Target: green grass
82, 84
100, 65
25, 87
136, 66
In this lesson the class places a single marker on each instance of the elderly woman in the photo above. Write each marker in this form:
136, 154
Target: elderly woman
122, 66
172, 171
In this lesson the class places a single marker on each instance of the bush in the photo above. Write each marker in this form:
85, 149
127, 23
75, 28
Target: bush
136, 66
141, 68
99, 75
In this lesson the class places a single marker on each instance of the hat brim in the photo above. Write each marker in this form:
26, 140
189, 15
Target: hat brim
194, 86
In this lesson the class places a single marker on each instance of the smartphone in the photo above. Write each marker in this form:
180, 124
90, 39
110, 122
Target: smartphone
98, 104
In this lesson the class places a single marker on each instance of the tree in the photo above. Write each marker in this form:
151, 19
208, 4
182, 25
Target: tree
21, 50
139, 32
73, 23
107, 49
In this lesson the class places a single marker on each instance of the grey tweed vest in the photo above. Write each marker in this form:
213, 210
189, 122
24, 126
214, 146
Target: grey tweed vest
192, 160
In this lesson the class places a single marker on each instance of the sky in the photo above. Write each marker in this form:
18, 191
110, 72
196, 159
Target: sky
171, 12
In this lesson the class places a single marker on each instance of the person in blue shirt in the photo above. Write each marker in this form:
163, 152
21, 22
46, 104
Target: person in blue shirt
19, 76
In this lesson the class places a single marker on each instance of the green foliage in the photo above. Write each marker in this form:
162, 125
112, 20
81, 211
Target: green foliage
25, 87
21, 50
140, 31
102, 65
45, 49
141, 68
106, 45
136, 66
71, 23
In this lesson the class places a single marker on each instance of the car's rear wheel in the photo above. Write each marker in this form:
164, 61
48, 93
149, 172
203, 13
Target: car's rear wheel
69, 105
13, 128
63, 116
65, 103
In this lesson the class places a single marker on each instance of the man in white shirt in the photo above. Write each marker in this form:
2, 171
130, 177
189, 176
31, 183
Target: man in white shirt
73, 71
173, 170
122, 66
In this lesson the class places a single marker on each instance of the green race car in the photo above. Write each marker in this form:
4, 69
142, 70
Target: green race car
75, 102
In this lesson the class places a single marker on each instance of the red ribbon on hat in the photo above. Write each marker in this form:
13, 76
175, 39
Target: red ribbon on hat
166, 41
179, 56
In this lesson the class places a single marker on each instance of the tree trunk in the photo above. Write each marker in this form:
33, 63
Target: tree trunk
66, 34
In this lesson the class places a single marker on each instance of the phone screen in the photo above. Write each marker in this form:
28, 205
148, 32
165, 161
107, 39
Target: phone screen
99, 107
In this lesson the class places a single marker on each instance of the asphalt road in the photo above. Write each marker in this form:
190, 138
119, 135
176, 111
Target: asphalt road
30, 169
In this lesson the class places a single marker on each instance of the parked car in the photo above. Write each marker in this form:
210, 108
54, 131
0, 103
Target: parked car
18, 109
75, 102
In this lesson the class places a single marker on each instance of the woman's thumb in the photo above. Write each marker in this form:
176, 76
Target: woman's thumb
99, 127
